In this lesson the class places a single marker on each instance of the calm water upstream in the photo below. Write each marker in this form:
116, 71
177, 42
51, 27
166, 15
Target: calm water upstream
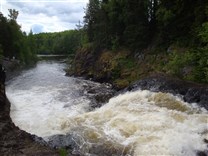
45, 102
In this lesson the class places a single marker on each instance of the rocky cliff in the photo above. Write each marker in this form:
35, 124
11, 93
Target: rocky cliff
190, 92
16, 142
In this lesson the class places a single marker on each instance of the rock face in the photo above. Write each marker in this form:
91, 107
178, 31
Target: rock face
64, 142
102, 66
191, 92
14, 141
99, 95
12, 68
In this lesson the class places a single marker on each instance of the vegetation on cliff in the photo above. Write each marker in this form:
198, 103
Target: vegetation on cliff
125, 40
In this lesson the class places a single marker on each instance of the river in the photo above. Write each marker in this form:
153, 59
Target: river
45, 102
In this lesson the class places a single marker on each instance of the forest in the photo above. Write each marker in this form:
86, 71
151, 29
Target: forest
133, 39
138, 24
123, 40
66, 42
13, 42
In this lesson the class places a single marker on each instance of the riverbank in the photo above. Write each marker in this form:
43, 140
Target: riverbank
55, 98
143, 71
123, 67
14, 141
146, 114
13, 67
155, 83
190, 92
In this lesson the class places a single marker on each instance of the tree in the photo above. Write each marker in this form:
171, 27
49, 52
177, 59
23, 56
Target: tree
65, 42
91, 18
14, 42
13, 14
179, 19
136, 19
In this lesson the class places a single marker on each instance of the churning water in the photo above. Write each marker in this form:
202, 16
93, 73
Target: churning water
42, 97
45, 102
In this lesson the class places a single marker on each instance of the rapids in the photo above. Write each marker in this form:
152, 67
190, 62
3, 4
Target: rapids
45, 103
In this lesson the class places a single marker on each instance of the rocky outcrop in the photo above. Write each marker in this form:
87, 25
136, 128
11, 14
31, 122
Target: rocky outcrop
191, 92
99, 94
115, 67
118, 69
16, 142
12, 67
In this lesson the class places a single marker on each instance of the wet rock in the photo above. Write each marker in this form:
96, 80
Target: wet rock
61, 141
14, 141
99, 94
202, 153
191, 92
39, 140
198, 95
65, 142
205, 152
206, 141
193, 95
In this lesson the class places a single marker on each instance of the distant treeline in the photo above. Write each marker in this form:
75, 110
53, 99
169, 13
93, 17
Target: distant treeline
65, 42
13, 42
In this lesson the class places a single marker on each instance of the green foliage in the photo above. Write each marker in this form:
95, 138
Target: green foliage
128, 63
164, 15
108, 23
144, 26
115, 44
136, 24
179, 20
200, 71
203, 34
191, 65
14, 42
65, 42
62, 152
178, 61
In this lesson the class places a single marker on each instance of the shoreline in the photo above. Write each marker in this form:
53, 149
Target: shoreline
14, 141
28, 145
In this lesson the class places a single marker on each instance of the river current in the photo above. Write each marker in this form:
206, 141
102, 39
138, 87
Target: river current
45, 102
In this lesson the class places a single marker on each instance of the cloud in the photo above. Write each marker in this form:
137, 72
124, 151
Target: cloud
52, 15
37, 28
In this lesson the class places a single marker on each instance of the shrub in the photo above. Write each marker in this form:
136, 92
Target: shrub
195, 59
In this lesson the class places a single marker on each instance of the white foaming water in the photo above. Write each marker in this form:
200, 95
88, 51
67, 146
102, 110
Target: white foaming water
143, 123
42, 97
135, 123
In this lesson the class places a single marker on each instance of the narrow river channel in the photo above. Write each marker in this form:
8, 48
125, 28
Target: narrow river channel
45, 102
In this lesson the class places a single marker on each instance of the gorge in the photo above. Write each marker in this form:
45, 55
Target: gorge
140, 120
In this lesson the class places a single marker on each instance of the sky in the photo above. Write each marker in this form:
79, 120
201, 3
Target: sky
46, 15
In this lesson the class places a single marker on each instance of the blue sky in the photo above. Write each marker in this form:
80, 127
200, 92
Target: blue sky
46, 15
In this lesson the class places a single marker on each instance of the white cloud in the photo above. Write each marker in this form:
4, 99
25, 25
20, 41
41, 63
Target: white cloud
51, 15
37, 28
